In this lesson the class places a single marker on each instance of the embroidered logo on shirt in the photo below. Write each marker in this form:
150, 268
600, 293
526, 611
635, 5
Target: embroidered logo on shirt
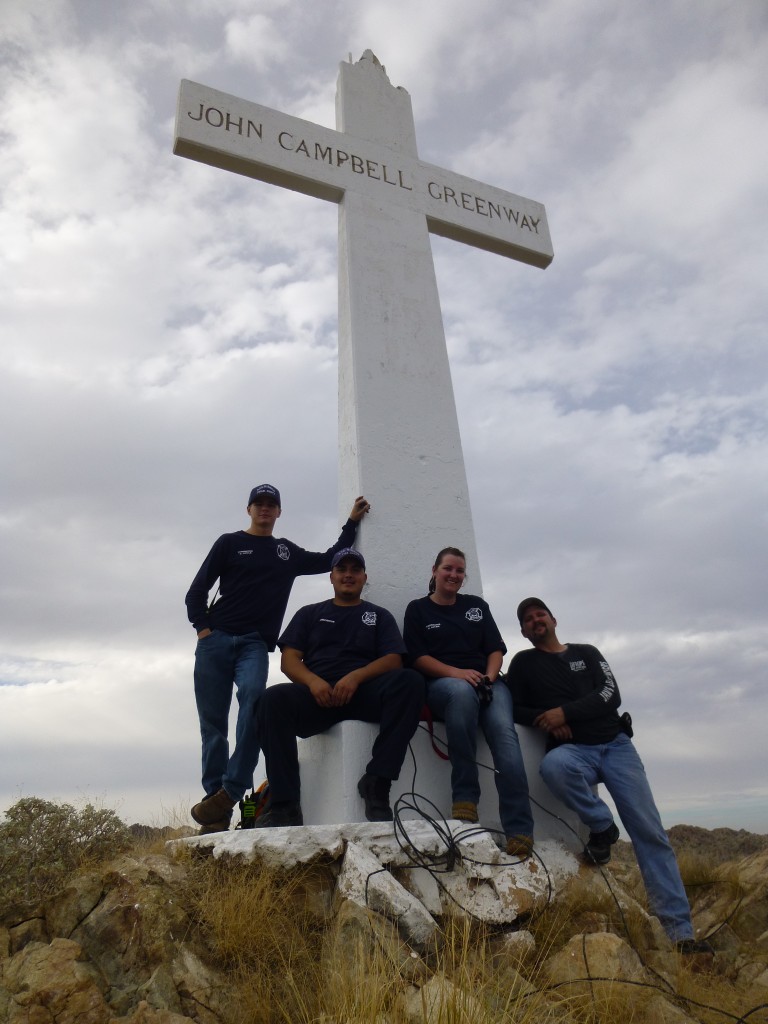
332, 621
369, 618
283, 552
433, 625
249, 551
475, 614
578, 666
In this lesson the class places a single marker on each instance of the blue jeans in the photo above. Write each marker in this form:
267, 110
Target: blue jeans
456, 703
221, 661
571, 771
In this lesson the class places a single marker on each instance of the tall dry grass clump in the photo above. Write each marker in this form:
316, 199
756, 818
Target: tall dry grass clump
700, 873
695, 868
266, 928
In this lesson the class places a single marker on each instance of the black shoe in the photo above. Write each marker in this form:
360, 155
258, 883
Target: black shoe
690, 947
281, 815
375, 792
598, 848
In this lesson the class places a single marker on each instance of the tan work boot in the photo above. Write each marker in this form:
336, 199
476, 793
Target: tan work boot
520, 846
464, 810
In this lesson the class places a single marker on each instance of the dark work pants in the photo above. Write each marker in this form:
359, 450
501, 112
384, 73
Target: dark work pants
394, 699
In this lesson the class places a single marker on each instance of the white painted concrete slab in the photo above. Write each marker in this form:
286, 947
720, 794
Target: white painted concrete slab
332, 763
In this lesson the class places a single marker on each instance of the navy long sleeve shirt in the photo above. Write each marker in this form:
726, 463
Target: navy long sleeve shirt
256, 575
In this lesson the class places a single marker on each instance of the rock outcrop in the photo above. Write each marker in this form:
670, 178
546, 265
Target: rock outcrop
552, 938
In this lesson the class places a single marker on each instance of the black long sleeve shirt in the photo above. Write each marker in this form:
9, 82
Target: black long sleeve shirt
578, 679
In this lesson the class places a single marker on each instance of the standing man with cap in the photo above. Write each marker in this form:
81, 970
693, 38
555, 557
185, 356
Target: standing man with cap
344, 659
568, 691
255, 572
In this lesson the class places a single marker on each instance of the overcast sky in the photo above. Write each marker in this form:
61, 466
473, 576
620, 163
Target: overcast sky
169, 340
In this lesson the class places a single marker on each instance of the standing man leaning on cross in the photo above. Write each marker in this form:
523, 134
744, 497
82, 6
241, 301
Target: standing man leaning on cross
255, 572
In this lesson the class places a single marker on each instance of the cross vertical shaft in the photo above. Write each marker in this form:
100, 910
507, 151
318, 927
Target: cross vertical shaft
399, 440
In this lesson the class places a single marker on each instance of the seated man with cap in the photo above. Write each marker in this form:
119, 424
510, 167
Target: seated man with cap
344, 659
234, 635
569, 692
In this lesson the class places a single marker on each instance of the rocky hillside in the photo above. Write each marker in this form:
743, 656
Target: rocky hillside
345, 934
717, 845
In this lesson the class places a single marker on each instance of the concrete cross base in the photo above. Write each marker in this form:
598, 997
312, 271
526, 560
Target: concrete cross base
332, 762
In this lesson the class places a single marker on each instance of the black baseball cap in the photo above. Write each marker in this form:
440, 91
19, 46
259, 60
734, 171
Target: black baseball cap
265, 491
530, 602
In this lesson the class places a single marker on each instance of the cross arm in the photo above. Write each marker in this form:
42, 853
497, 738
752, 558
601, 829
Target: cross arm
247, 138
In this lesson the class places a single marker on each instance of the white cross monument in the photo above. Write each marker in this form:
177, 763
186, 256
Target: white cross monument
399, 438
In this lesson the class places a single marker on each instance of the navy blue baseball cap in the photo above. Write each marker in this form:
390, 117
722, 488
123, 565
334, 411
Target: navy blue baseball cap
265, 491
347, 553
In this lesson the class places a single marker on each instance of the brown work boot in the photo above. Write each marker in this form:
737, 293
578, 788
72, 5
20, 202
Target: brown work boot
216, 826
212, 810
464, 810
520, 846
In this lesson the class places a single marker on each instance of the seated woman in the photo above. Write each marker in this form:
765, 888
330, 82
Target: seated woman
454, 642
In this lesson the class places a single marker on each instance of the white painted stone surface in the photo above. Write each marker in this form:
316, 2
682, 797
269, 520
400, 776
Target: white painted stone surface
332, 763
423, 885
290, 847
362, 880
483, 880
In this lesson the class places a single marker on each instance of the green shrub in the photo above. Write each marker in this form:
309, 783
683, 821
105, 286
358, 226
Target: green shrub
42, 843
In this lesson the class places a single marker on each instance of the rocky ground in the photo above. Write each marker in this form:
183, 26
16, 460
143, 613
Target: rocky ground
122, 945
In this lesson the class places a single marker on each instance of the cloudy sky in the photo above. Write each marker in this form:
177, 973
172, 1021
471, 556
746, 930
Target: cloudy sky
169, 340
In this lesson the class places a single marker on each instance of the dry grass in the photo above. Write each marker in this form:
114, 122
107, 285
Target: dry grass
288, 962
290, 956
696, 870
585, 908
714, 999
259, 925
